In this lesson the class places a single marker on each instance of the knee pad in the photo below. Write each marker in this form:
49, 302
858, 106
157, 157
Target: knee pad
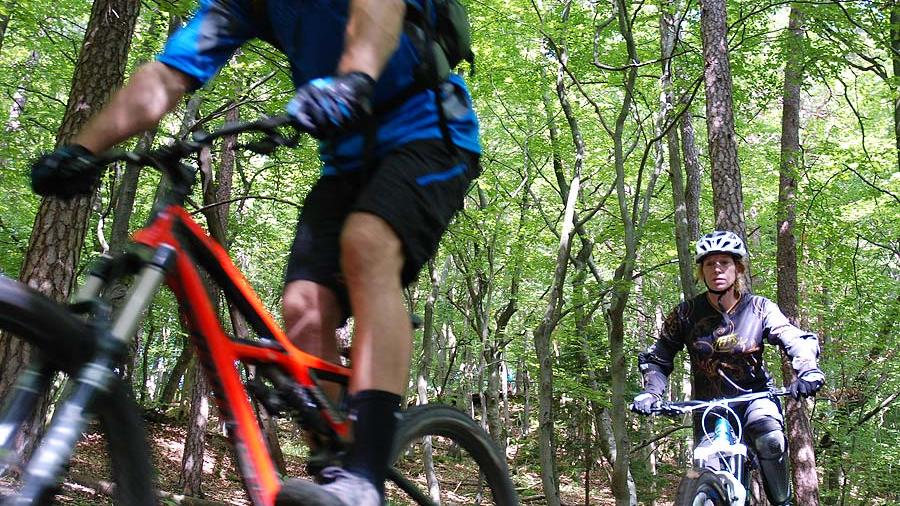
771, 448
771, 445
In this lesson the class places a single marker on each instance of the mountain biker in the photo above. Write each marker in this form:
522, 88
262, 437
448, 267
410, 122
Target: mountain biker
391, 181
724, 330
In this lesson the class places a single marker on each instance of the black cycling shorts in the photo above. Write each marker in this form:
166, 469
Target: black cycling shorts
417, 189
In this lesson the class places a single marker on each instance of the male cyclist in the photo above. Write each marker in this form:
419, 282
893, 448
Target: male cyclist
394, 174
724, 330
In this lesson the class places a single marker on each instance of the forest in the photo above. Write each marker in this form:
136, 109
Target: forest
614, 134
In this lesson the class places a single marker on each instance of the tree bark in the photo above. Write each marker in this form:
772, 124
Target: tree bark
60, 226
728, 201
895, 61
20, 96
683, 235
191, 478
8, 7
191, 481
177, 373
693, 171
802, 451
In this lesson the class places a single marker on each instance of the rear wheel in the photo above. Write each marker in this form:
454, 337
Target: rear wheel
59, 343
441, 456
701, 488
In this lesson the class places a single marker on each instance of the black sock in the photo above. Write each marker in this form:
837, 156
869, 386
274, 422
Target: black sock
375, 422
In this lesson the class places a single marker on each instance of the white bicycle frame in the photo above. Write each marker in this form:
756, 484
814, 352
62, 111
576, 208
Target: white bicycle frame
722, 453
721, 450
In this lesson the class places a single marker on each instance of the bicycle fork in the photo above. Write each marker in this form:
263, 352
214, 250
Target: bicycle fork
92, 381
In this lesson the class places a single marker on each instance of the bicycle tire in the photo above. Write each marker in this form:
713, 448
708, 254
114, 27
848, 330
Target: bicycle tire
66, 343
451, 426
701, 488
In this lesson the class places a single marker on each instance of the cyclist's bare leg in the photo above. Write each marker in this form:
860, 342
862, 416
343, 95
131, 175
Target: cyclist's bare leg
372, 260
311, 316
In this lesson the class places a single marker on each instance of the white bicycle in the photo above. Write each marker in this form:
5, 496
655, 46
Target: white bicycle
722, 462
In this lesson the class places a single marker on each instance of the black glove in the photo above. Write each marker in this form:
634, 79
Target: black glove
329, 106
807, 384
644, 402
69, 171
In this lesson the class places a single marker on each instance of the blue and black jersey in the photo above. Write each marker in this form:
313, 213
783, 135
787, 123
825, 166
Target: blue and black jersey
311, 34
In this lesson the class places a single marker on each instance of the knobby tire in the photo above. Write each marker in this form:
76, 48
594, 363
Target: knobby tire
447, 422
700, 484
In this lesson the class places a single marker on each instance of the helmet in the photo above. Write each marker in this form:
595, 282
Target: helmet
720, 241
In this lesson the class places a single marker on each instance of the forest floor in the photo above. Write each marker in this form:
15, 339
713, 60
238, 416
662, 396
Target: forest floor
87, 485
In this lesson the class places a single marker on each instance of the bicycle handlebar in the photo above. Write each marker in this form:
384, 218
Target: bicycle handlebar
167, 158
680, 408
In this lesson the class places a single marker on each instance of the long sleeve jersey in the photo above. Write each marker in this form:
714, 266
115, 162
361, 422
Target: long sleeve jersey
725, 355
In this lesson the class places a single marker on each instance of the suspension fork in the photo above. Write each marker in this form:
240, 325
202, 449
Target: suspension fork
94, 380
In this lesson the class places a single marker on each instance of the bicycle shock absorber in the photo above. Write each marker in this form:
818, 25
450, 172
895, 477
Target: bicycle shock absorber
94, 379
19, 405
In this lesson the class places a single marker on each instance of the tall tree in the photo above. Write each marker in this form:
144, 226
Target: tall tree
6, 9
668, 38
894, 17
728, 200
803, 460
569, 191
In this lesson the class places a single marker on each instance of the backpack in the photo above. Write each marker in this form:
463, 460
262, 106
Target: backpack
449, 38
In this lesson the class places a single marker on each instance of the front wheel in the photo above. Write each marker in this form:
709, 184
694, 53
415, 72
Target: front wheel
701, 488
441, 456
59, 343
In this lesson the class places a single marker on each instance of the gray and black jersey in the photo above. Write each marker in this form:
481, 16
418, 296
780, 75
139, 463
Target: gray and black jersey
726, 353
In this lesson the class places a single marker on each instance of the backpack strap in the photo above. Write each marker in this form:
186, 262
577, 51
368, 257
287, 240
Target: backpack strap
259, 13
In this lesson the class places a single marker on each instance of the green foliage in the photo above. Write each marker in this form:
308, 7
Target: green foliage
503, 247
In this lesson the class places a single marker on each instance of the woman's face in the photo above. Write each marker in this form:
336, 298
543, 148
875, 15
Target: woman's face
719, 271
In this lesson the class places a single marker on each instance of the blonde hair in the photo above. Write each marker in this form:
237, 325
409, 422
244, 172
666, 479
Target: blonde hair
740, 280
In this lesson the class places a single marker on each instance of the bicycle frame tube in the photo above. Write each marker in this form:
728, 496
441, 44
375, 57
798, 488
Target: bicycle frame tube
175, 228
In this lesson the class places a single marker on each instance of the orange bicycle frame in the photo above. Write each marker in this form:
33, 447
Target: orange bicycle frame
220, 354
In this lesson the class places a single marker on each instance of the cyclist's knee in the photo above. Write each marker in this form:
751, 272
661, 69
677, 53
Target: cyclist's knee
311, 312
369, 245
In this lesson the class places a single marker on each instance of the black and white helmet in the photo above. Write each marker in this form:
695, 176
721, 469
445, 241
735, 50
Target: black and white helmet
720, 241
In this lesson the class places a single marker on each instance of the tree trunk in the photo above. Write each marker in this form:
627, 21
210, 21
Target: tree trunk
422, 375
632, 223
20, 96
191, 479
728, 201
550, 319
177, 373
683, 235
59, 229
693, 171
803, 460
692, 168
8, 7
895, 60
